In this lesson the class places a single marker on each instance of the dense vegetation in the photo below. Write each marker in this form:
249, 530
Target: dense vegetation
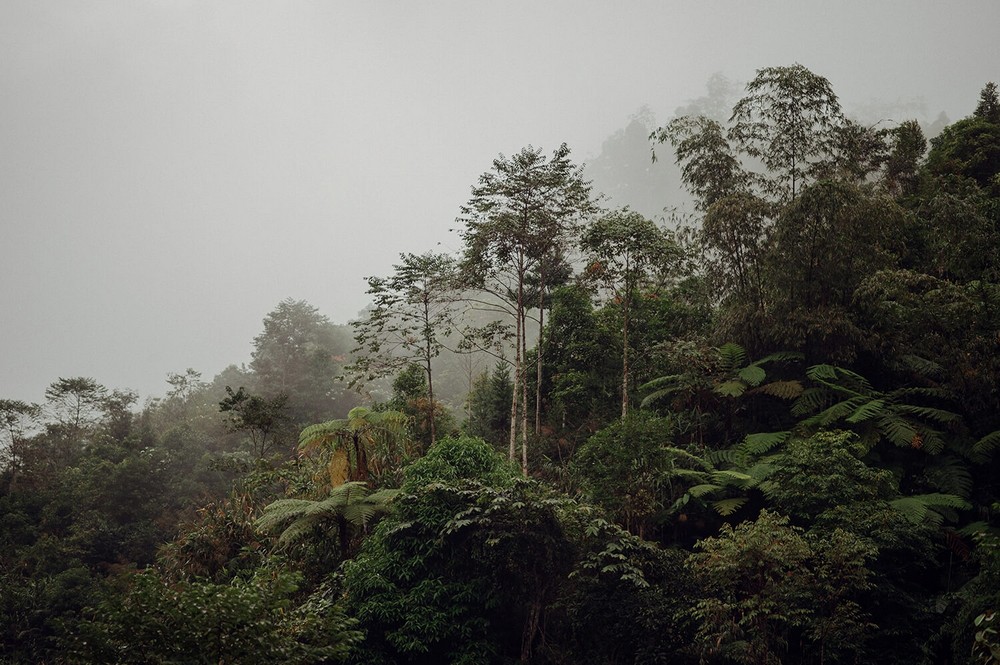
766, 435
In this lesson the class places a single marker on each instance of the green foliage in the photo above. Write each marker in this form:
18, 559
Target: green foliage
372, 443
489, 406
261, 419
411, 314
347, 511
299, 354
244, 621
768, 590
625, 469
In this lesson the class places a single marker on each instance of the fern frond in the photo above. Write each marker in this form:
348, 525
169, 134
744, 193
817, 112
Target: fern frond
662, 382
731, 456
950, 475
763, 442
320, 434
730, 477
937, 415
694, 459
866, 411
898, 430
919, 507
787, 390
835, 412
810, 401
752, 375
782, 356
699, 491
689, 474
987, 444
727, 507
281, 511
731, 389
921, 366
732, 356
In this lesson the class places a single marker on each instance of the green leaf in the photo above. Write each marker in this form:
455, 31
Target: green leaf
731, 388
763, 442
727, 507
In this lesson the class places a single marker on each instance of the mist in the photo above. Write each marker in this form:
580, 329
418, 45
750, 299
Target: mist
171, 170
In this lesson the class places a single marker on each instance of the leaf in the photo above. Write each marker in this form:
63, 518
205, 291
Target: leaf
985, 445
727, 507
752, 375
866, 411
762, 442
918, 508
787, 390
699, 491
731, 389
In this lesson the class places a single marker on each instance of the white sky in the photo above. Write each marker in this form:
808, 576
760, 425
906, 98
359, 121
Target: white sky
170, 170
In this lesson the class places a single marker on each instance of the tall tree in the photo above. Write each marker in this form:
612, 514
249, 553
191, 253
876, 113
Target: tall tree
16, 419
410, 314
363, 444
75, 403
788, 120
298, 354
625, 254
519, 215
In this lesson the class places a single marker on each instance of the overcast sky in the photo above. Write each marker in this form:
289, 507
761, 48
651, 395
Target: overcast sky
170, 170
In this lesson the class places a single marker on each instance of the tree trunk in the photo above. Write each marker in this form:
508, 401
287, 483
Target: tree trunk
625, 367
428, 353
538, 355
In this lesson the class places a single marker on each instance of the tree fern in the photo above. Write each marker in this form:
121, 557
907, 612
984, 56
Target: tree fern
984, 446
927, 508
351, 502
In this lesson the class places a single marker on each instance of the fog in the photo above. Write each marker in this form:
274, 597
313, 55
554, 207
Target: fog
171, 170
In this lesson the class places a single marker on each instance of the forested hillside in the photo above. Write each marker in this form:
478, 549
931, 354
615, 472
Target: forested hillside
764, 432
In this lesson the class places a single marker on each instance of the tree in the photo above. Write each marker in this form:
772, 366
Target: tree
260, 418
16, 419
519, 215
411, 313
988, 107
75, 403
366, 443
769, 590
641, 444
788, 120
298, 354
824, 244
627, 253
348, 510
252, 621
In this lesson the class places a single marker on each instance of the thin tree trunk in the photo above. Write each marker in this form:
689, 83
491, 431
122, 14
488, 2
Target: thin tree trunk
524, 398
538, 355
625, 367
518, 343
430, 380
